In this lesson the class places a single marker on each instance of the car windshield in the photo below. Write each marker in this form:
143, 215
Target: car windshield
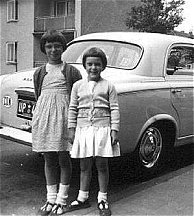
119, 55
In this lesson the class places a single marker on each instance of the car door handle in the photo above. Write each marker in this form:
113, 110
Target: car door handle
176, 90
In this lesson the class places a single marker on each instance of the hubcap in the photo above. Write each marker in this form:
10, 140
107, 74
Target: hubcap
150, 147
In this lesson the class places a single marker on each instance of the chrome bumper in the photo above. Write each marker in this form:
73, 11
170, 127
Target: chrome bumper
16, 135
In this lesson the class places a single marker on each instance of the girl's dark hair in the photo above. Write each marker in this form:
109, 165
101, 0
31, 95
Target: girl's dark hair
95, 52
52, 36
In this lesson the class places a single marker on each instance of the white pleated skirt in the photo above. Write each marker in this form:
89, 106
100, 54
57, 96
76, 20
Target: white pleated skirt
94, 141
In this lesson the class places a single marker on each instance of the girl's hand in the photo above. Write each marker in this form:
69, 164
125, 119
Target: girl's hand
71, 135
114, 137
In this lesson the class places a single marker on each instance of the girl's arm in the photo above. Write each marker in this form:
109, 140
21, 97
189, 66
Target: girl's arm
71, 135
72, 114
115, 115
114, 137
114, 108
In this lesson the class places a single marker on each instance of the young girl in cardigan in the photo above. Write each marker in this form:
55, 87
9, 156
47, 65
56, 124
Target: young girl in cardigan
93, 123
52, 84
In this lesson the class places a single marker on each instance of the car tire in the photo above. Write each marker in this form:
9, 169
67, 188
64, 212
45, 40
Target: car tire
153, 149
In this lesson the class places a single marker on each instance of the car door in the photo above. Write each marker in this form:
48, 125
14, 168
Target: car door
180, 71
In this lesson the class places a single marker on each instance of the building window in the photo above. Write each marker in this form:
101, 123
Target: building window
12, 10
11, 52
70, 7
64, 8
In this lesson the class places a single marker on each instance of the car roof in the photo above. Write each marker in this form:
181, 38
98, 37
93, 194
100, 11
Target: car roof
155, 46
141, 38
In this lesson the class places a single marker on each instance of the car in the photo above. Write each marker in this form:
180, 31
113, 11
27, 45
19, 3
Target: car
153, 75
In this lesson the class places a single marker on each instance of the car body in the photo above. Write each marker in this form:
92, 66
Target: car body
153, 75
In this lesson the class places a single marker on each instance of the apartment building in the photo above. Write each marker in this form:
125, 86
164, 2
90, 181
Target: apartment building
22, 23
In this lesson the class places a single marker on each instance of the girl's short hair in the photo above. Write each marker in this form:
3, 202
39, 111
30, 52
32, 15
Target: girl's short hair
52, 36
95, 52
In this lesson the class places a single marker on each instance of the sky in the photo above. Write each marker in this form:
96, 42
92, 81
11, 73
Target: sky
188, 15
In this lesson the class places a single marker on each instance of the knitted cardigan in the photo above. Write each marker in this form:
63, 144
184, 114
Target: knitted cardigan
71, 75
99, 109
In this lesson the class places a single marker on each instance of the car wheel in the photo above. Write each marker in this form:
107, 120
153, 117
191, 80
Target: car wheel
150, 147
152, 150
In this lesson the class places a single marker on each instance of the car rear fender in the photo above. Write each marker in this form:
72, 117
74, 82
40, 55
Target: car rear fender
160, 119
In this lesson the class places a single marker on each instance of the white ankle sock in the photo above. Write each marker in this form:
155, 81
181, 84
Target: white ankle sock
62, 194
51, 193
83, 195
102, 196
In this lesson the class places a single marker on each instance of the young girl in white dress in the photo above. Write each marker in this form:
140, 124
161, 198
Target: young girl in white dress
93, 123
52, 83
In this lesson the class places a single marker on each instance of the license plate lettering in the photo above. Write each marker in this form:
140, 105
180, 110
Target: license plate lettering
21, 107
25, 108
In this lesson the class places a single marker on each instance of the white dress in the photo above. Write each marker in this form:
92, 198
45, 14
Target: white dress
93, 141
49, 123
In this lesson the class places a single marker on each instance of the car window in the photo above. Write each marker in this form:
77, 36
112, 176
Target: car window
127, 57
181, 61
119, 55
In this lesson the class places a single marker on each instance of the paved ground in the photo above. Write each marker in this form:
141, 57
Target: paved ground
170, 197
165, 195
168, 193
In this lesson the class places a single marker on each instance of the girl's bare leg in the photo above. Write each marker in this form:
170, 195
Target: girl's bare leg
85, 178
103, 173
66, 167
85, 173
52, 179
51, 168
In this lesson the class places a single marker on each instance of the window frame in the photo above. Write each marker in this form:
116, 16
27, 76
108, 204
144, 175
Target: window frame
11, 53
56, 8
67, 8
179, 71
112, 57
12, 11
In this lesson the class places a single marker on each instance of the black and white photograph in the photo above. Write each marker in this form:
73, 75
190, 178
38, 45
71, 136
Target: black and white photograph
97, 112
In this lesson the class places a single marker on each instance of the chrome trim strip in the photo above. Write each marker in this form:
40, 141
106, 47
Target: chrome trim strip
186, 137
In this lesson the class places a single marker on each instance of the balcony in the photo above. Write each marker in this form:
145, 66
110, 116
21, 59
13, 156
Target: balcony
41, 24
